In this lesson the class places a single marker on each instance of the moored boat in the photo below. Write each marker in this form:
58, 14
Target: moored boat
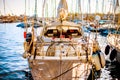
61, 52
113, 47
62, 57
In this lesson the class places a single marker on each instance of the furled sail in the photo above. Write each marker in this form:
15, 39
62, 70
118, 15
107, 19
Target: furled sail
62, 9
63, 4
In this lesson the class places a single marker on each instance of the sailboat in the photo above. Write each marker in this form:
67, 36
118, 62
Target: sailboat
114, 45
6, 18
56, 54
113, 39
28, 21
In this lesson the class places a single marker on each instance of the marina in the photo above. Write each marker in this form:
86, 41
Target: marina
66, 46
14, 66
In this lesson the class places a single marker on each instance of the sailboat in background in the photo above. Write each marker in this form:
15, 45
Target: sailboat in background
29, 21
7, 18
25, 23
113, 47
36, 22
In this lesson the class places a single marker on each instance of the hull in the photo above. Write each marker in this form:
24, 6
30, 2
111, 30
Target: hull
118, 57
56, 69
114, 43
68, 56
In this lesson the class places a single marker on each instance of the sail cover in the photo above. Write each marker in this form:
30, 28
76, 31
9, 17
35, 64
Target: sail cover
62, 5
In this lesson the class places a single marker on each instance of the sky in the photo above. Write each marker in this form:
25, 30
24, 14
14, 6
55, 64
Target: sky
17, 7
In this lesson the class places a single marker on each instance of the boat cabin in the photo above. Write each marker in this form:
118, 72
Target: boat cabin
63, 29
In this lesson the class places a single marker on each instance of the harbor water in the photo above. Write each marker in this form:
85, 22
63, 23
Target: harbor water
14, 67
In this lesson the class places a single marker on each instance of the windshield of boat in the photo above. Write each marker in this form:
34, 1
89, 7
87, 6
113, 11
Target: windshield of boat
63, 31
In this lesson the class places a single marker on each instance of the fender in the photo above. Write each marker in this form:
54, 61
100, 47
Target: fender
113, 54
107, 49
98, 59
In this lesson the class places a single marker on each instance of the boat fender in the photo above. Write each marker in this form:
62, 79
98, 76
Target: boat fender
102, 58
95, 61
113, 54
107, 49
24, 34
28, 37
98, 60
26, 55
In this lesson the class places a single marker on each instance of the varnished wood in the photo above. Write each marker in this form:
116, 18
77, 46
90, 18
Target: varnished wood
59, 70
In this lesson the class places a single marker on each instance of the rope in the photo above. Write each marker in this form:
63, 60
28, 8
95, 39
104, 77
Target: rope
73, 48
65, 72
83, 71
35, 53
68, 71
92, 73
49, 48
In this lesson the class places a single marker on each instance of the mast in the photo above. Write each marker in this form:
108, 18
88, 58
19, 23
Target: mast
102, 6
89, 6
44, 1
25, 7
79, 4
35, 10
29, 6
0, 13
46, 9
55, 9
4, 7
76, 6
96, 6
25, 22
115, 6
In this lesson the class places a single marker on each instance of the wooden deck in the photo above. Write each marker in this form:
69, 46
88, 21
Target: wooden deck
59, 70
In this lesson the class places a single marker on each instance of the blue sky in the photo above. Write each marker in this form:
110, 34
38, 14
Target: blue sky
17, 7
